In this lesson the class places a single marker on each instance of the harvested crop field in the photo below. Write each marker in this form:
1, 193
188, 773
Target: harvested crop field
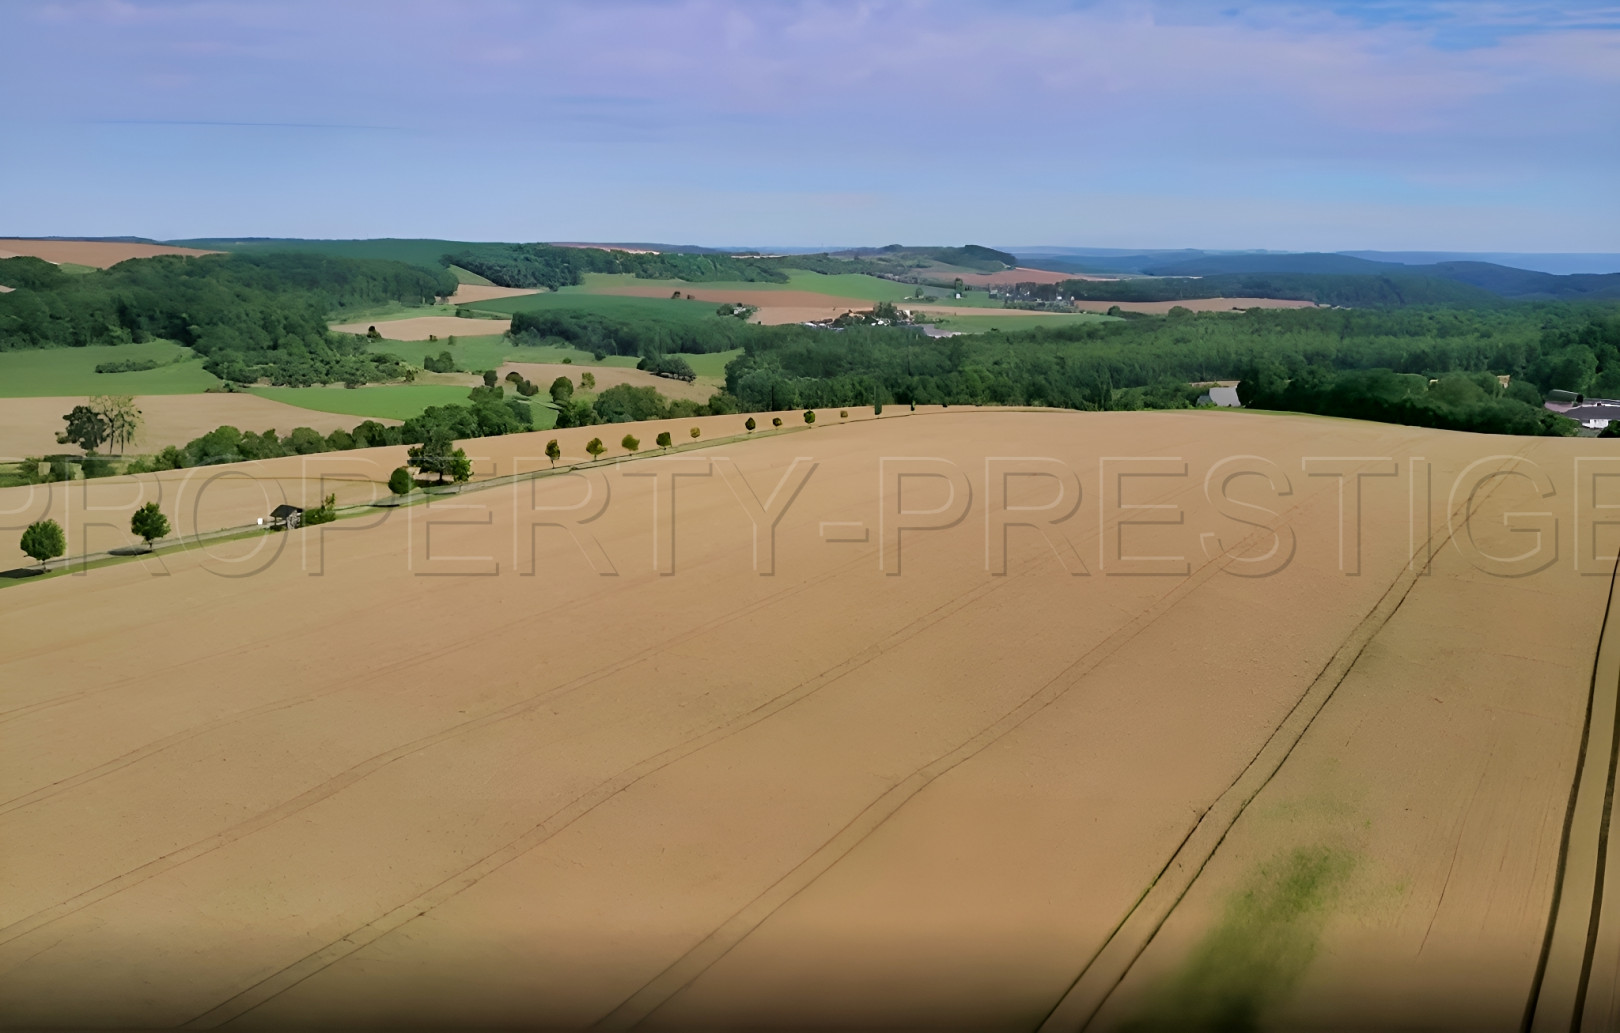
98, 253
927, 778
420, 328
28, 426
468, 292
543, 373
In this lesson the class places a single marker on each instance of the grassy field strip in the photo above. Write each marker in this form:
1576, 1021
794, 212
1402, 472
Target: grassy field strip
1136, 930
52, 372
1562, 997
389, 402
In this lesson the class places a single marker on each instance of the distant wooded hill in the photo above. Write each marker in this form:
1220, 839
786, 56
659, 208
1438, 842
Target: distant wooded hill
551, 265
1500, 280
1300, 275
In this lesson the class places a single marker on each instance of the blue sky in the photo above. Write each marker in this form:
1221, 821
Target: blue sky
1484, 125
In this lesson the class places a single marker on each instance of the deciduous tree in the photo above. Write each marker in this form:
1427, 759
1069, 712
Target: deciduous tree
44, 540
149, 523
86, 427
438, 455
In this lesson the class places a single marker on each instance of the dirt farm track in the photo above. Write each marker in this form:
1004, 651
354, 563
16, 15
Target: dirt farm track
782, 730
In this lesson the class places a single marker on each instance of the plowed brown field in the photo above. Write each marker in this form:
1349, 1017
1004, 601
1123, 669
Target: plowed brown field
921, 778
487, 292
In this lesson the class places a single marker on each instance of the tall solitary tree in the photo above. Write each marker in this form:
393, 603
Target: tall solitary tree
631, 443
122, 419
810, 416
664, 440
587, 380
697, 432
595, 447
553, 452
149, 523
750, 424
562, 389
44, 540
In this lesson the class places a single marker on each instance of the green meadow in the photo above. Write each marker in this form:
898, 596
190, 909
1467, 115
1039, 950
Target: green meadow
386, 401
488, 351
47, 372
712, 364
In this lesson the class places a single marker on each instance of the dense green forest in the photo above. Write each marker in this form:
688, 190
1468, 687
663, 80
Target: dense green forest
250, 316
1296, 359
602, 335
1346, 290
1500, 280
544, 265
1149, 363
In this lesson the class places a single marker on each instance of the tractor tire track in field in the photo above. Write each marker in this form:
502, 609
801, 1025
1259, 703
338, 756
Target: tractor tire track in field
379, 675
568, 815
1560, 997
313, 963
1111, 963
686, 969
357, 772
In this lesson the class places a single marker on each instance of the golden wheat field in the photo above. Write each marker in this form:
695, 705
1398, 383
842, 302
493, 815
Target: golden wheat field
97, 253
948, 719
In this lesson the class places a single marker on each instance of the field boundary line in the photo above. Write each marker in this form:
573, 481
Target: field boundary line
1111, 963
